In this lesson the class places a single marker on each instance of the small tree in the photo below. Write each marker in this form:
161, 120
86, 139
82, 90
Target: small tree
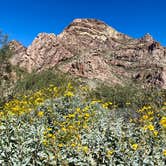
5, 68
5, 52
3, 39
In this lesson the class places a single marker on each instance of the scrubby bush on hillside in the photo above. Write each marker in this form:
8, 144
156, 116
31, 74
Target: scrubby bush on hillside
36, 81
134, 95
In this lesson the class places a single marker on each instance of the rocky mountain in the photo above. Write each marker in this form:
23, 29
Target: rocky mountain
91, 49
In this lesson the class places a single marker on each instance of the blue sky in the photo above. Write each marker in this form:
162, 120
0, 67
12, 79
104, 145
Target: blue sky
24, 19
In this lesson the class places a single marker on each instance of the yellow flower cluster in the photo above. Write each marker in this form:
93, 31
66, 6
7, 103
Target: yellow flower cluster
69, 94
25, 104
40, 114
152, 119
149, 127
164, 152
95, 101
144, 108
163, 121
68, 133
110, 152
134, 146
146, 114
107, 104
17, 107
69, 91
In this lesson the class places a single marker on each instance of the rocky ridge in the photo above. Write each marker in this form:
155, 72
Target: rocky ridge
91, 49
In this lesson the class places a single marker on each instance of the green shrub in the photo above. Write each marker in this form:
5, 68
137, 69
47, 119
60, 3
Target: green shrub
132, 95
36, 81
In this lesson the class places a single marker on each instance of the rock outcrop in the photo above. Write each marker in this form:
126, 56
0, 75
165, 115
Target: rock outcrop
91, 49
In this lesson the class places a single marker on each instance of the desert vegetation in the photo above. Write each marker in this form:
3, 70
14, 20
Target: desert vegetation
69, 124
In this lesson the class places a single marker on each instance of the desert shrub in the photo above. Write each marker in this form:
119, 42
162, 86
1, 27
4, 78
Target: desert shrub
48, 127
36, 81
132, 95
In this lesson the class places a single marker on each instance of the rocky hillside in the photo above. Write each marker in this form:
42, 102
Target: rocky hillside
91, 49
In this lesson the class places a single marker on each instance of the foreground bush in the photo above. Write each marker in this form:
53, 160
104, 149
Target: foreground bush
51, 128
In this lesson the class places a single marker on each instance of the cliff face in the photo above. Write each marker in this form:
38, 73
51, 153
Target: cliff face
90, 48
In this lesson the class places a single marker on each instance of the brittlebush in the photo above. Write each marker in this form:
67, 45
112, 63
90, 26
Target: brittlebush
48, 127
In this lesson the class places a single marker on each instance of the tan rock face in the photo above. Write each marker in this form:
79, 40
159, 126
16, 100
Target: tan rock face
20, 57
84, 35
46, 51
90, 48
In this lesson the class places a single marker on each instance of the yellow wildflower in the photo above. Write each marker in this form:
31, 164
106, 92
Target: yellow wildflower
163, 121
145, 117
105, 105
69, 86
155, 132
38, 101
149, 107
50, 135
78, 123
45, 142
95, 101
85, 109
134, 146
69, 94
73, 145
60, 145
164, 152
45, 132
151, 118
71, 116
40, 114
110, 153
16, 108
55, 89
49, 129
150, 112
70, 127
110, 103
63, 129
85, 149
87, 115
1, 114
150, 127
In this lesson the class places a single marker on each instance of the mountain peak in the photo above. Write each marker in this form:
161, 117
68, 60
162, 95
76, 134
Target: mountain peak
148, 38
43, 34
92, 49
90, 26
91, 21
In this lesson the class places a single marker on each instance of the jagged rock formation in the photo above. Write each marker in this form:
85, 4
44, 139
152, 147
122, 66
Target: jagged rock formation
91, 49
